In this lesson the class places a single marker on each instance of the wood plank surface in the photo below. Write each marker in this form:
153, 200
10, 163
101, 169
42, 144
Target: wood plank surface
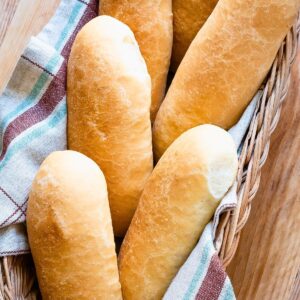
19, 20
7, 11
267, 262
266, 266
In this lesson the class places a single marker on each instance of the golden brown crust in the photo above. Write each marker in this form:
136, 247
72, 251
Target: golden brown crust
109, 95
151, 23
70, 231
188, 18
224, 66
178, 201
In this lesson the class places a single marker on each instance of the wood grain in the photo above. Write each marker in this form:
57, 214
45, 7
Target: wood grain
7, 11
268, 258
295, 295
27, 17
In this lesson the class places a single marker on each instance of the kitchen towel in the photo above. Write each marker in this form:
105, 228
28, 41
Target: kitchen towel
33, 124
33, 115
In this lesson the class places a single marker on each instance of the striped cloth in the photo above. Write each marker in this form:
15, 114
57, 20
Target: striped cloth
33, 115
33, 124
202, 276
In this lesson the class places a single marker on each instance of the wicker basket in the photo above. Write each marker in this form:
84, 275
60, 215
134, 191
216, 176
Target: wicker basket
17, 276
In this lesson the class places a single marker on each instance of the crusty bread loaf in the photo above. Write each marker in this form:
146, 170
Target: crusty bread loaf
151, 23
108, 96
179, 199
188, 18
224, 66
70, 230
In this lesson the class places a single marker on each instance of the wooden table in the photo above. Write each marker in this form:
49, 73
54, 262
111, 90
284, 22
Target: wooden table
267, 262
19, 20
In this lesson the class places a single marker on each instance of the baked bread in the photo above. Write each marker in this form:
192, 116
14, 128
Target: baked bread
108, 97
179, 199
224, 66
188, 18
151, 23
70, 231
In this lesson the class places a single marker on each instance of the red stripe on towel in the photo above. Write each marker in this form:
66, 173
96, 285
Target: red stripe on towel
13, 214
37, 65
213, 282
52, 96
90, 13
16, 252
11, 199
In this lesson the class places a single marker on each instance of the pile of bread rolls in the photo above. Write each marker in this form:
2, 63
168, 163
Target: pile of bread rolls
106, 185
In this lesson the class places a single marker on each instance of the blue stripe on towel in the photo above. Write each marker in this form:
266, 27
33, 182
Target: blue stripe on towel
33, 96
70, 25
40, 129
199, 273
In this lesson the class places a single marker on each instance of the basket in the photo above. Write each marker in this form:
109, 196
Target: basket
17, 276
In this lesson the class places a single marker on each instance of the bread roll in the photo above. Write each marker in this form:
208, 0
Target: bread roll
109, 95
224, 66
188, 18
70, 231
151, 22
178, 201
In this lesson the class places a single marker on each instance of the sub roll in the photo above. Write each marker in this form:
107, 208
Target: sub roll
151, 23
188, 17
108, 98
223, 67
179, 199
70, 231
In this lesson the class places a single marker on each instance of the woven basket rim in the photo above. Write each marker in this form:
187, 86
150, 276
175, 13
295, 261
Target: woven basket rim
256, 145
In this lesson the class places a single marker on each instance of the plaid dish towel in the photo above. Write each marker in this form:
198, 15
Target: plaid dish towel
33, 115
33, 124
